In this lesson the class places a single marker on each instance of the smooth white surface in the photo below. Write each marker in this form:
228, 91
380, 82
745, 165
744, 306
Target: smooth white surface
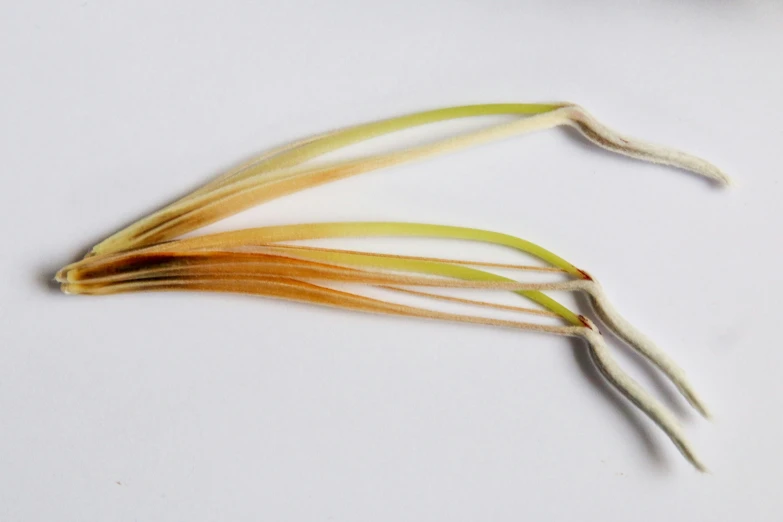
211, 407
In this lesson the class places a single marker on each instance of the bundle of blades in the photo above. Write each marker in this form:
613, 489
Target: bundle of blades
147, 255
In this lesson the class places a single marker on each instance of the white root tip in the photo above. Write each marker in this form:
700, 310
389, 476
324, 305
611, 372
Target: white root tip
631, 390
644, 346
605, 137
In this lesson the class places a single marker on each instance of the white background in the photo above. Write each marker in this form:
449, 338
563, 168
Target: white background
217, 407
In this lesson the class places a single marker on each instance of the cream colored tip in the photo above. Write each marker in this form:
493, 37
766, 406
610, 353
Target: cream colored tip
607, 138
632, 391
642, 345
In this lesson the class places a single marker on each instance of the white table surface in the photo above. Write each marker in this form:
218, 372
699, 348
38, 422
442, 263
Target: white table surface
215, 407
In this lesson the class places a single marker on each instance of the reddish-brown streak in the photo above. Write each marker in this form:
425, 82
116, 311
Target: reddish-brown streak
586, 323
584, 274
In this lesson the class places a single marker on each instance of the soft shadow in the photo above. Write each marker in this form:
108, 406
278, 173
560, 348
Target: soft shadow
669, 393
620, 404
44, 277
